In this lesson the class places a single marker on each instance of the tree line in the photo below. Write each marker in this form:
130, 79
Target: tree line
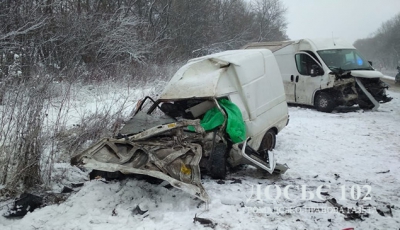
43, 42
60, 36
383, 48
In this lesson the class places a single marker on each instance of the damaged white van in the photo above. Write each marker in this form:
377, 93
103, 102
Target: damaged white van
326, 73
217, 111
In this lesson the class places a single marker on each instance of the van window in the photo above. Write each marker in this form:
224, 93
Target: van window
343, 59
304, 63
312, 54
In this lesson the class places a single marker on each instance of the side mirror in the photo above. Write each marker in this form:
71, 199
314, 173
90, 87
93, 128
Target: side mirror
316, 70
370, 62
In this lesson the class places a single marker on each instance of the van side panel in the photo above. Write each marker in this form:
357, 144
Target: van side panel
266, 93
287, 67
276, 117
251, 77
297, 86
261, 89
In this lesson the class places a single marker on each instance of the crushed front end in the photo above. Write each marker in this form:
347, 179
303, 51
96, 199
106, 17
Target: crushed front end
360, 87
163, 152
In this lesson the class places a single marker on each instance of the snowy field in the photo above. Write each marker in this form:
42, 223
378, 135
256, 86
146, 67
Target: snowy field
346, 149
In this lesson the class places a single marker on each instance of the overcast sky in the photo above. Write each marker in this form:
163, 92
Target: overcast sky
348, 19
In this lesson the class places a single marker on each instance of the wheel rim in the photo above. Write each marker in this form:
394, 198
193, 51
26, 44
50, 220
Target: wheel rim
269, 141
323, 102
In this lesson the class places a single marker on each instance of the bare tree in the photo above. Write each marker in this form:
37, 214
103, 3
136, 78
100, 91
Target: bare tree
269, 22
91, 40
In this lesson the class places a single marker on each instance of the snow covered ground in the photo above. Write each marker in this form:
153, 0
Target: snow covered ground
346, 149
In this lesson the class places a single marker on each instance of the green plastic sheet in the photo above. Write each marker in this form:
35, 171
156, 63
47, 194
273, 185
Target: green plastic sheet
235, 126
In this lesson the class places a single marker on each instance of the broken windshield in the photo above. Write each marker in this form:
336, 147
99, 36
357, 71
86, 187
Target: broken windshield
148, 114
344, 59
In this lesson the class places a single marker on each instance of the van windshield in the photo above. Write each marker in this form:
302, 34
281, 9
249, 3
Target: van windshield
344, 59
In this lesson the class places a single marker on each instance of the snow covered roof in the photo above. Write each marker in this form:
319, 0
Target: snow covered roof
328, 43
200, 76
305, 44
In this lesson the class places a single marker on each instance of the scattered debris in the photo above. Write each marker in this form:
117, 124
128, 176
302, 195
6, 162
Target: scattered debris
76, 185
205, 222
67, 190
138, 211
325, 193
387, 171
318, 202
26, 203
337, 176
380, 212
201, 202
350, 213
220, 182
388, 211
168, 186
54, 198
236, 181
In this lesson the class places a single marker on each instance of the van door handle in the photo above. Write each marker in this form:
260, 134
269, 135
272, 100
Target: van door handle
291, 78
297, 78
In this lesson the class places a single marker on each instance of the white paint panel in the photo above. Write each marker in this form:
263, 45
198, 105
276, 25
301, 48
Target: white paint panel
366, 73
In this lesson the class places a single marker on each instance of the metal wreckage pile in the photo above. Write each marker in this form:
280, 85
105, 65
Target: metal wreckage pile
211, 116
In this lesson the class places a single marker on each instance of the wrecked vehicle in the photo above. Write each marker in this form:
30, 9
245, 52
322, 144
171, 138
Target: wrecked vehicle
218, 111
326, 73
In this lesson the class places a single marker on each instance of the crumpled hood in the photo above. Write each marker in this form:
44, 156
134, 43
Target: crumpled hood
366, 73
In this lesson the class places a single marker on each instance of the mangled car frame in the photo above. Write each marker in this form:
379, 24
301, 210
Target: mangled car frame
217, 111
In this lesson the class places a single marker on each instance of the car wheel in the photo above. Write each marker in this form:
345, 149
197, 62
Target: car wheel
324, 102
217, 161
269, 140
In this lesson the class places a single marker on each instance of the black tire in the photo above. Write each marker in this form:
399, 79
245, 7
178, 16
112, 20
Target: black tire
217, 161
268, 142
324, 102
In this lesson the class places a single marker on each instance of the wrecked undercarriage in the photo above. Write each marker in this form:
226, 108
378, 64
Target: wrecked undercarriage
207, 120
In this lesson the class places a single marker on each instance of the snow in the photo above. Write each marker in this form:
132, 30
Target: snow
349, 147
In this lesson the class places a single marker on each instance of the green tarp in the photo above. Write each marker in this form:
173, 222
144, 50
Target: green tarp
235, 126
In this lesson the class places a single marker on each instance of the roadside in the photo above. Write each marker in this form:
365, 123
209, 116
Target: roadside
393, 86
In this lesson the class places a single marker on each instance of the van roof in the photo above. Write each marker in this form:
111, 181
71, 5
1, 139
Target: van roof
329, 43
273, 46
199, 78
316, 44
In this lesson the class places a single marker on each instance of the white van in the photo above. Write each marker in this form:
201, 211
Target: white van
326, 73
217, 111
